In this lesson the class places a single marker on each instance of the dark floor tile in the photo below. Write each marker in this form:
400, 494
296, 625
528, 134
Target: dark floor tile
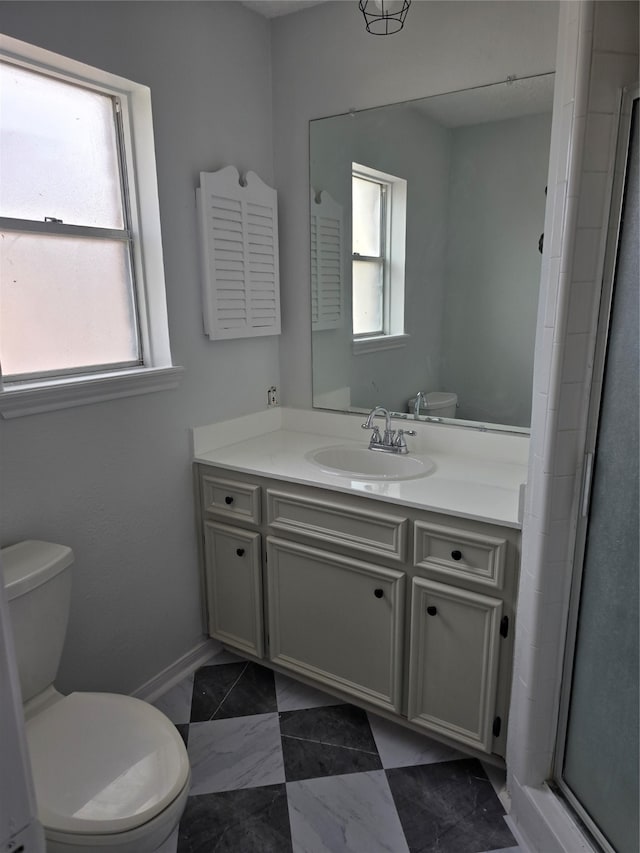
183, 731
327, 741
232, 690
449, 807
252, 820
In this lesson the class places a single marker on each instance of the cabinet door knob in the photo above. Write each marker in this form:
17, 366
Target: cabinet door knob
378, 593
456, 555
240, 552
228, 499
431, 610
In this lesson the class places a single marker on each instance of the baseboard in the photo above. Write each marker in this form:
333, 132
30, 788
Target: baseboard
175, 672
543, 824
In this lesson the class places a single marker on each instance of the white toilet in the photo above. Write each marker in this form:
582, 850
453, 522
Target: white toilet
111, 772
436, 404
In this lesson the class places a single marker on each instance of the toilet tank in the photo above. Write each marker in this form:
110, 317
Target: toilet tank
441, 404
436, 404
37, 578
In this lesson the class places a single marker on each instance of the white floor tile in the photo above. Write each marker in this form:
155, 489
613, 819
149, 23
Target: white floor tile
176, 702
294, 696
224, 656
400, 747
241, 752
345, 814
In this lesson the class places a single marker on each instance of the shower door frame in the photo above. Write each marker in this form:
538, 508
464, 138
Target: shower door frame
629, 96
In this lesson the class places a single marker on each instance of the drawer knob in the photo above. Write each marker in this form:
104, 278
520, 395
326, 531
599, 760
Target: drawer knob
431, 610
240, 552
456, 555
378, 593
228, 499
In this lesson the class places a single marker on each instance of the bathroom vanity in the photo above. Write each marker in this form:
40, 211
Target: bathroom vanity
374, 590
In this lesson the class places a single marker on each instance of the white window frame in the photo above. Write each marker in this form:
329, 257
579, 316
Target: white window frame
394, 226
25, 397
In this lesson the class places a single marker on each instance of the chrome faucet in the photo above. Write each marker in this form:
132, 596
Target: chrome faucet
379, 410
391, 442
420, 396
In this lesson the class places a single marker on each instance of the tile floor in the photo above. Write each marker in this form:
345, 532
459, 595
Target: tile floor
278, 767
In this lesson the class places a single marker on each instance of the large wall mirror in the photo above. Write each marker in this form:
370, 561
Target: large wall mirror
426, 236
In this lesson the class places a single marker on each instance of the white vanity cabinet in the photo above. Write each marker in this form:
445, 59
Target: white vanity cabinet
456, 635
406, 612
233, 562
336, 620
453, 662
234, 586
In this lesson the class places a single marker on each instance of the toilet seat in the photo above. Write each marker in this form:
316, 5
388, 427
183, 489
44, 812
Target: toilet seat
104, 763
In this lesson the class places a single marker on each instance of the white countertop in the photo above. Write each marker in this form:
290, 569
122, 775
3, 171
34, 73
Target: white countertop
476, 476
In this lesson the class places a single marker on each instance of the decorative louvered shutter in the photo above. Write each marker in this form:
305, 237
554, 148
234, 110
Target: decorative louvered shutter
239, 244
326, 262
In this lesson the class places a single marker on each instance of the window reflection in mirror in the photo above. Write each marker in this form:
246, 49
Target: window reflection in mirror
378, 215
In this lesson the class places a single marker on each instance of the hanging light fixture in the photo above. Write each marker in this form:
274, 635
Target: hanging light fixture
384, 17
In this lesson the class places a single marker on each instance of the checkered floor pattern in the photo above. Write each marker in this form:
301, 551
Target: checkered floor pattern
278, 767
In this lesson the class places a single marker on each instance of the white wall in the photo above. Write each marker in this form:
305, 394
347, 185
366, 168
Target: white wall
113, 480
324, 63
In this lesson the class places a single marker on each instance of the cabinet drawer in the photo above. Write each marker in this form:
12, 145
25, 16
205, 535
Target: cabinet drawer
459, 554
231, 499
337, 524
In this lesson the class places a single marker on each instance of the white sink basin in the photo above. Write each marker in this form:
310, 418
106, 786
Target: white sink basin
360, 463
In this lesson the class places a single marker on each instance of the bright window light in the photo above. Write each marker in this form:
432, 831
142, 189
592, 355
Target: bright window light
83, 312
378, 207
67, 294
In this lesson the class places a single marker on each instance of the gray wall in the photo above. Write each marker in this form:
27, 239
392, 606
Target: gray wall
499, 167
113, 480
324, 63
475, 212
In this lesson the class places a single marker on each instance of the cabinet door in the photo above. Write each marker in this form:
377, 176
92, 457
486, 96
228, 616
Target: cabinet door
336, 620
454, 662
234, 586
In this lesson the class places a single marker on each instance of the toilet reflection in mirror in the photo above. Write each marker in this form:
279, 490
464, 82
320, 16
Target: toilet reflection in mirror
451, 264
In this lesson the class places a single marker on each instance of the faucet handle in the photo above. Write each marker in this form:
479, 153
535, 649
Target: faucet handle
376, 438
399, 440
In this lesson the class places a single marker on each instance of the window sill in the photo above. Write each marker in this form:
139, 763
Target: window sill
360, 346
33, 398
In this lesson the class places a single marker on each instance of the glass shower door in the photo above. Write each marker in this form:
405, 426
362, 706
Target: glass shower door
598, 747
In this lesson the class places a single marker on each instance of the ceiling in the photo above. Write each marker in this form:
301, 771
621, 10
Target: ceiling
275, 8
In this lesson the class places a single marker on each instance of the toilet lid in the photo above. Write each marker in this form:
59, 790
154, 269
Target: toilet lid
104, 763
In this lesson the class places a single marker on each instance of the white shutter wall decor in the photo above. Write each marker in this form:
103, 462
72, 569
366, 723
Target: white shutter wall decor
327, 261
239, 246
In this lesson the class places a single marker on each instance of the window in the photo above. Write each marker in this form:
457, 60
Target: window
82, 303
378, 246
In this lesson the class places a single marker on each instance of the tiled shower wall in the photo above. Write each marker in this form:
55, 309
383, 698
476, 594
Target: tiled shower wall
597, 58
